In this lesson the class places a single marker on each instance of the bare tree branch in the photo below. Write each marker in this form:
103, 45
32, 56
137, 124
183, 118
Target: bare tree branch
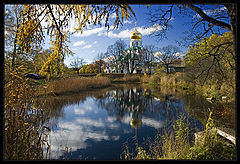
208, 18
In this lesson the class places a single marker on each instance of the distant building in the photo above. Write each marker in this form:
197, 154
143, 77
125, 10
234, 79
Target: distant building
176, 66
132, 60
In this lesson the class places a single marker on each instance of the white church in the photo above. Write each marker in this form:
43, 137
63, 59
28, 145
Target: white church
132, 60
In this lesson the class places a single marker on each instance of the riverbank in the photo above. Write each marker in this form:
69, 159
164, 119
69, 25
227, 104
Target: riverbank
179, 80
142, 154
73, 85
177, 145
69, 85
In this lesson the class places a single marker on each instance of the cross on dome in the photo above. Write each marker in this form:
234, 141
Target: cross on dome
135, 35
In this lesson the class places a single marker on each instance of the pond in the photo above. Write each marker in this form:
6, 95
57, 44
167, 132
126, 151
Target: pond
95, 125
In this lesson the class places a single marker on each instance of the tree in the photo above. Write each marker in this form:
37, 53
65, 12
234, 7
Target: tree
114, 52
12, 19
98, 66
77, 63
214, 58
149, 58
167, 55
31, 30
99, 61
206, 19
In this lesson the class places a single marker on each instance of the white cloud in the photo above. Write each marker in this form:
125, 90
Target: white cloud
113, 15
126, 33
127, 22
150, 30
89, 122
179, 54
88, 46
78, 43
79, 111
89, 32
153, 123
100, 31
88, 61
123, 34
95, 42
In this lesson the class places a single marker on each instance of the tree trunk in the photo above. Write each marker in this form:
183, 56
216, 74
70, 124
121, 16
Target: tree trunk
15, 45
167, 68
232, 15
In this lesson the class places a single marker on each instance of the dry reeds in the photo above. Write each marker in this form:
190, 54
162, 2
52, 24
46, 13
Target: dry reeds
23, 121
77, 84
128, 78
131, 78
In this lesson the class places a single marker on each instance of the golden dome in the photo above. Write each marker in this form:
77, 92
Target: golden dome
135, 34
135, 123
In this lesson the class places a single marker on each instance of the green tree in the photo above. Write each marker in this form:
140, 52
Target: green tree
12, 19
100, 63
212, 58
39, 59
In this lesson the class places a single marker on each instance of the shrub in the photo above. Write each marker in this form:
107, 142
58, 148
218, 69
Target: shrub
23, 121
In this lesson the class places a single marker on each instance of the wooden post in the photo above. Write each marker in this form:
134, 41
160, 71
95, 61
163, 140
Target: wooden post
199, 135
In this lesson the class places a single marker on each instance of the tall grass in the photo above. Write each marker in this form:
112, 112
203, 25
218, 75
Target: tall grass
181, 81
177, 145
24, 129
128, 78
76, 84
131, 78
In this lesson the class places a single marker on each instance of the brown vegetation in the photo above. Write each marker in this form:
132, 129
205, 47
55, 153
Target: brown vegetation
23, 120
75, 84
128, 79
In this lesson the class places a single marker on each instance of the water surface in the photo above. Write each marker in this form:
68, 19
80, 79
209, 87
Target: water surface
97, 124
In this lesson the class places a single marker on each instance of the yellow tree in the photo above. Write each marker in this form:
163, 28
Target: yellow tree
213, 57
57, 17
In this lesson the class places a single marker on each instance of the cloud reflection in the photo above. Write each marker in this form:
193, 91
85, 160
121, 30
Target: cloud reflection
75, 133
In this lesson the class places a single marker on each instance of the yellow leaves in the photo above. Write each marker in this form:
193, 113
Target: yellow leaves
221, 47
15, 75
29, 33
26, 9
60, 49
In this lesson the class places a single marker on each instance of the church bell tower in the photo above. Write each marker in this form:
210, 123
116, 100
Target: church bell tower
136, 38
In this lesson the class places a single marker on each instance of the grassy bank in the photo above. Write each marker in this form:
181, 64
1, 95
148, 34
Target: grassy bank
177, 145
179, 80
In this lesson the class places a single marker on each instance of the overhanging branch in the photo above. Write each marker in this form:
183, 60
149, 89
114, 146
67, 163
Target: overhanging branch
208, 18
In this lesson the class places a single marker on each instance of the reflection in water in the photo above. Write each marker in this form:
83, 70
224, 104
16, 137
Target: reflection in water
138, 104
95, 125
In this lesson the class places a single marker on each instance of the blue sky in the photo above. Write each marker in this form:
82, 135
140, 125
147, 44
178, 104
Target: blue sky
96, 39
